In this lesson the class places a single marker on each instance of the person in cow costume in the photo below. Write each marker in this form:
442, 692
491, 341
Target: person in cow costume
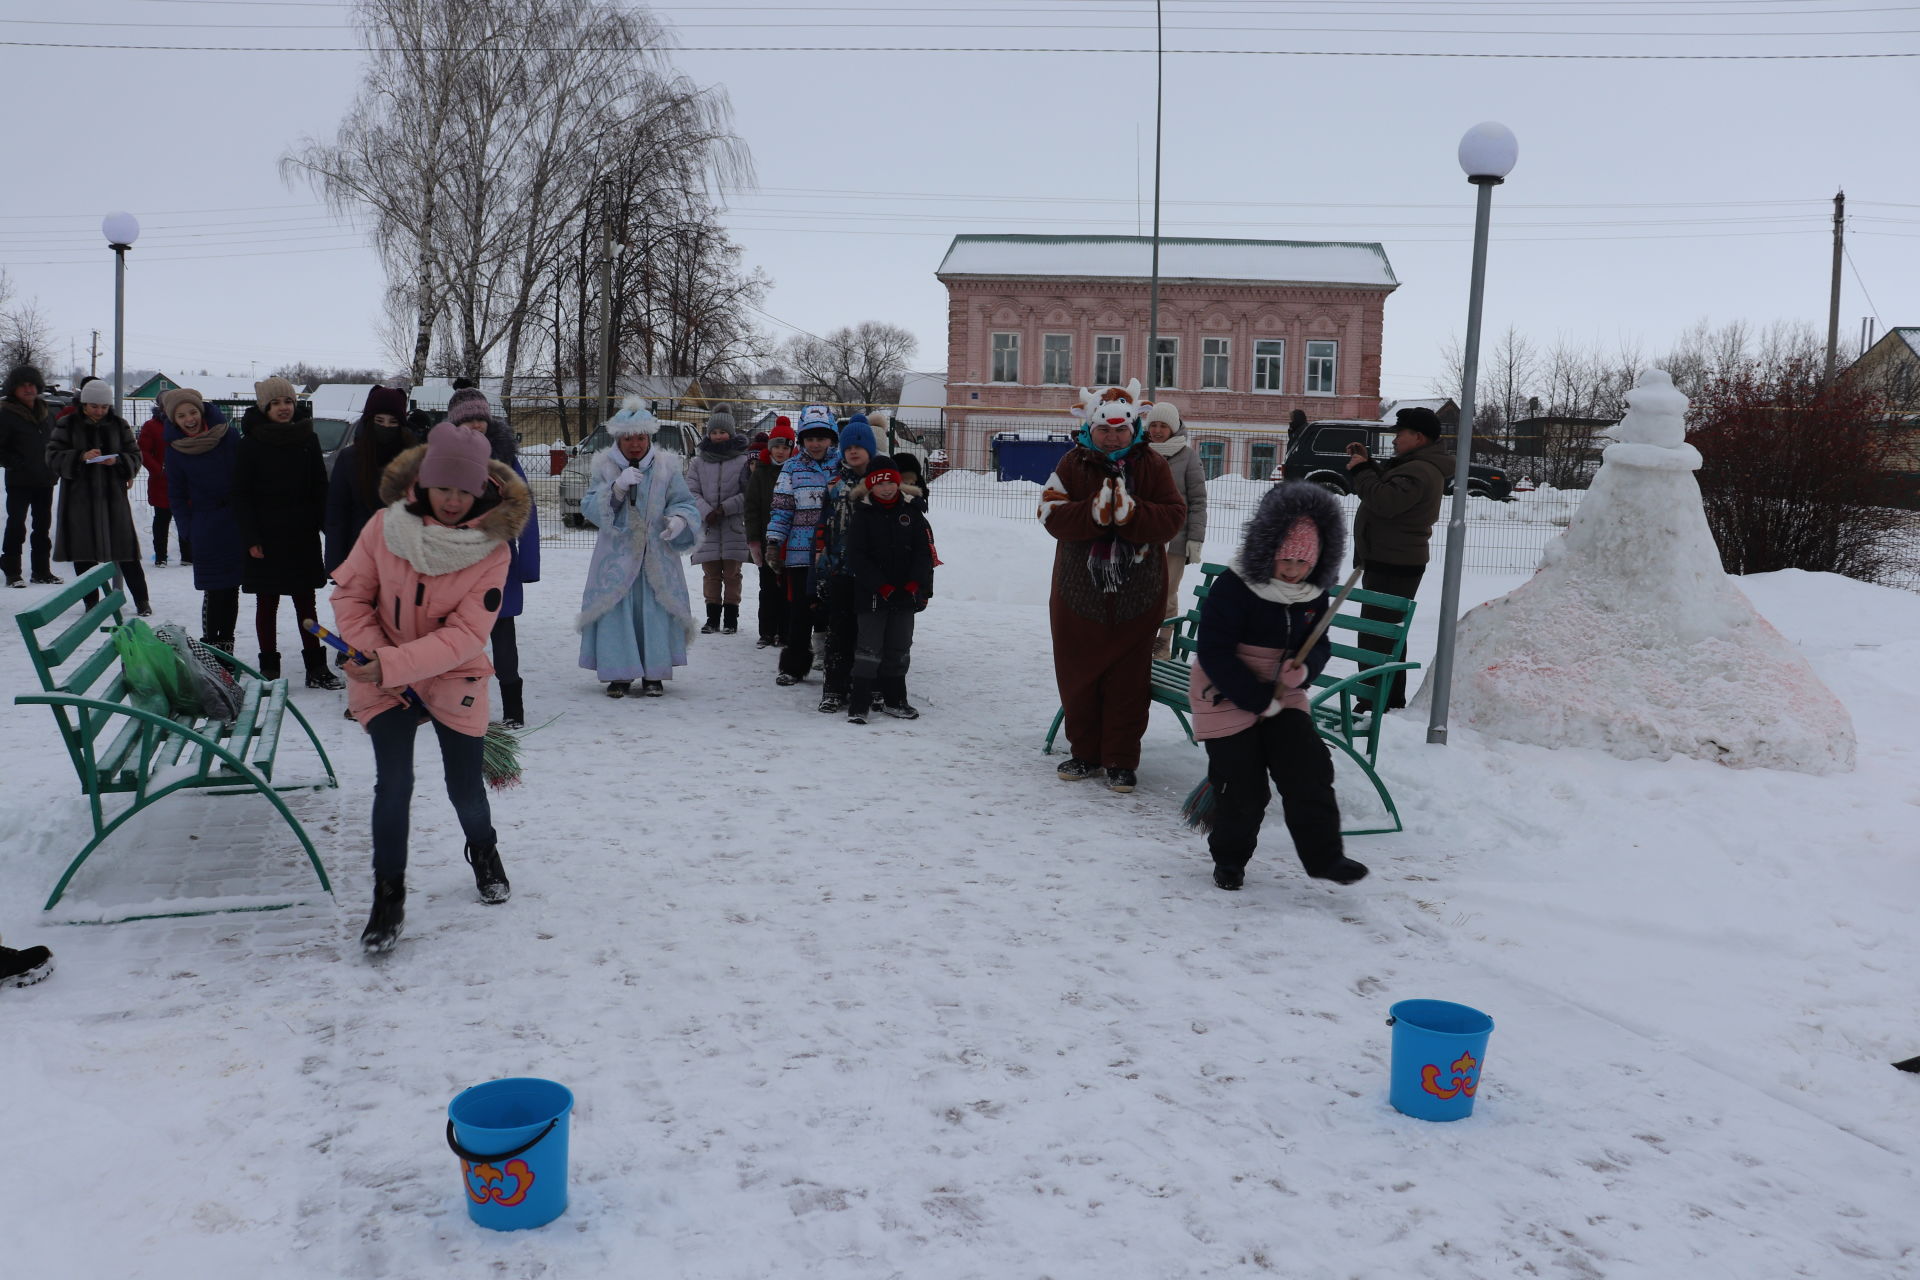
1111, 506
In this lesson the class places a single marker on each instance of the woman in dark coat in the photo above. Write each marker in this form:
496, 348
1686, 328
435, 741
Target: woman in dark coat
94, 454
353, 490
469, 407
280, 500
202, 453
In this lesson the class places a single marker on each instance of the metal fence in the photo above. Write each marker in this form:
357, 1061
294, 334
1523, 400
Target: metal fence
1502, 537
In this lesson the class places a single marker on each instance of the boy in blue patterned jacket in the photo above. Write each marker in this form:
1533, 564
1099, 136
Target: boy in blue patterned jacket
794, 530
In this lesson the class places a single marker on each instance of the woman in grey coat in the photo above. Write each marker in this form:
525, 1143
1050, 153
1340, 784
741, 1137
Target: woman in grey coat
717, 474
1167, 437
93, 452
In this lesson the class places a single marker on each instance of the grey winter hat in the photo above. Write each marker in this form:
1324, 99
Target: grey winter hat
97, 391
721, 420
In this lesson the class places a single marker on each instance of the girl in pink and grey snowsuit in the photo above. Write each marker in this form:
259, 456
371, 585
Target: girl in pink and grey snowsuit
419, 593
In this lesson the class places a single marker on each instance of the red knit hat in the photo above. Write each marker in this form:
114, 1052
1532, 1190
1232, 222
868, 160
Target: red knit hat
782, 430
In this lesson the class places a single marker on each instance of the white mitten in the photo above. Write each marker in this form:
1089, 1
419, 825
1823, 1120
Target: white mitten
674, 527
628, 478
1103, 504
1123, 503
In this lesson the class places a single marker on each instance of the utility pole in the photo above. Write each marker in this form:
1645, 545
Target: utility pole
1833, 301
93, 360
1153, 301
606, 305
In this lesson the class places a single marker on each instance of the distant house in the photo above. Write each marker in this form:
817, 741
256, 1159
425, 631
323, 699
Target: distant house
1890, 369
152, 387
1443, 407
1249, 331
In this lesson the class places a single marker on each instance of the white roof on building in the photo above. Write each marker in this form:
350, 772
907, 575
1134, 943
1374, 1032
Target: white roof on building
340, 399
1181, 258
922, 390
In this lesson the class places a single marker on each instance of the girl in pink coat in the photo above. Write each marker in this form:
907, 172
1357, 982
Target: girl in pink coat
419, 592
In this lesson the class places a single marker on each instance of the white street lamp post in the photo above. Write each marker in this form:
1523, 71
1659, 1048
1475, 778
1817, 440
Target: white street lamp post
1487, 153
121, 230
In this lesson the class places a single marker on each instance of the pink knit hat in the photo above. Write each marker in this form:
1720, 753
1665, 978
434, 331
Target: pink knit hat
456, 458
1301, 543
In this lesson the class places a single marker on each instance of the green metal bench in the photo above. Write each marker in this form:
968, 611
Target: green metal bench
1339, 703
119, 748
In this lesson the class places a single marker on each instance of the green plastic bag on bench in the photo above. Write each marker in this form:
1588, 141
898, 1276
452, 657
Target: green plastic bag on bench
156, 678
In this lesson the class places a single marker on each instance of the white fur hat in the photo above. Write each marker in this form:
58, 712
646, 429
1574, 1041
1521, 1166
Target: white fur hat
634, 419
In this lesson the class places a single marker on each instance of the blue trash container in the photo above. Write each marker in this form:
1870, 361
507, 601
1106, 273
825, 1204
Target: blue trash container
1439, 1049
511, 1137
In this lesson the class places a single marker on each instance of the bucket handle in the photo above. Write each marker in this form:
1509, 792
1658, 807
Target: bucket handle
473, 1158
1390, 1021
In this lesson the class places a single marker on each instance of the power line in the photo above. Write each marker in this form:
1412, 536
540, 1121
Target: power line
1239, 28
790, 49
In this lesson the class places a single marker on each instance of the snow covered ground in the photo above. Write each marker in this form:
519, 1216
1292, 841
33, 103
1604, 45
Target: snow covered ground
893, 1002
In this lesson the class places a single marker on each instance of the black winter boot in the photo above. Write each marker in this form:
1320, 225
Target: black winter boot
270, 666
1226, 877
729, 619
860, 702
513, 711
488, 876
389, 913
318, 676
893, 699
713, 620
24, 967
1341, 871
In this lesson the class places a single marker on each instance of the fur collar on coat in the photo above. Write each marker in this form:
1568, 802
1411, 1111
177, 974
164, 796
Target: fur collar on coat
1283, 504
434, 548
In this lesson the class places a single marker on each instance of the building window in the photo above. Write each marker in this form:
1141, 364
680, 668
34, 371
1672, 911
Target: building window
1106, 360
1260, 463
1322, 357
1056, 359
1006, 357
1213, 458
1269, 364
1213, 362
1166, 364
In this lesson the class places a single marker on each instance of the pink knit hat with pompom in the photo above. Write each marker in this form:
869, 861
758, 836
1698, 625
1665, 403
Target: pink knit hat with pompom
1301, 543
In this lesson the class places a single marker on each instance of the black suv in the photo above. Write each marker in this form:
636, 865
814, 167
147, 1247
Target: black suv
1319, 454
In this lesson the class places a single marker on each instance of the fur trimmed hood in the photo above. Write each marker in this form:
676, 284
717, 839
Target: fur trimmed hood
1283, 504
501, 521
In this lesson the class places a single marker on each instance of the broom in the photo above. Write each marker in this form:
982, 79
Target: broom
1198, 809
499, 748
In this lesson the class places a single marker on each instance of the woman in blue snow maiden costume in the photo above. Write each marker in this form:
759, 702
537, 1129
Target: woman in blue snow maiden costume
635, 621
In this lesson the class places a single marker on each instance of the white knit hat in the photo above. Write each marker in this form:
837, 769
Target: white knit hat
1165, 411
99, 391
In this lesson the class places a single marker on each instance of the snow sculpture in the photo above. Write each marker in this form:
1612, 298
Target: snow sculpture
1631, 638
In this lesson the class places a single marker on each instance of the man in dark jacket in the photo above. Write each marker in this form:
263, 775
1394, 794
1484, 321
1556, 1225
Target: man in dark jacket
1399, 501
26, 427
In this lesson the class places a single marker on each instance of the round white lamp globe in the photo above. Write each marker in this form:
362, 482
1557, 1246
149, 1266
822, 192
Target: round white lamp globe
1488, 150
120, 228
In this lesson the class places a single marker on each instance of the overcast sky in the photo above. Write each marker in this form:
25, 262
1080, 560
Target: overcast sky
1648, 194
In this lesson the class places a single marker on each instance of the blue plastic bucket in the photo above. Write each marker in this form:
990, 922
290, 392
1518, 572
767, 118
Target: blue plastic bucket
511, 1137
1438, 1051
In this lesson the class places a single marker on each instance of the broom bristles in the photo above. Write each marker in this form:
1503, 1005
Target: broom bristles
1198, 809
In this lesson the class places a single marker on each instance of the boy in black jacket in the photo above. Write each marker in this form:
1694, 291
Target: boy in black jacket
890, 550
1249, 696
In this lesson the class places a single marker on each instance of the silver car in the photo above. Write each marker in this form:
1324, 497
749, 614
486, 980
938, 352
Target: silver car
677, 438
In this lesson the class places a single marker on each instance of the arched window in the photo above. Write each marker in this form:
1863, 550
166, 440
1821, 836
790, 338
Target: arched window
1213, 458
1262, 456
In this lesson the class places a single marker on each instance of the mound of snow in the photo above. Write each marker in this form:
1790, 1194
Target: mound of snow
1630, 637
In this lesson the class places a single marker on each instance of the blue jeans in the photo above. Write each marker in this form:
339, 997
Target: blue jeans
393, 733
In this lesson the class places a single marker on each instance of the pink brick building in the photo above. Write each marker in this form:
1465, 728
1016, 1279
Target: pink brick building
1250, 330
